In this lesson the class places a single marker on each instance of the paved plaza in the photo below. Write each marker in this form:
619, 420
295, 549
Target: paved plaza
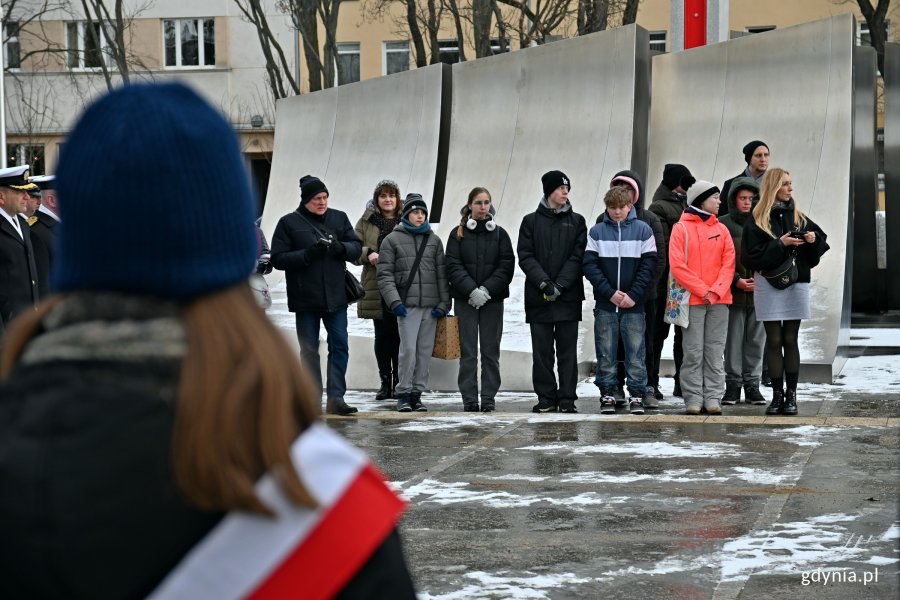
519, 505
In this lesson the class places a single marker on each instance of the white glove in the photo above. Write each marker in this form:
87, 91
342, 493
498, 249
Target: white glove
479, 297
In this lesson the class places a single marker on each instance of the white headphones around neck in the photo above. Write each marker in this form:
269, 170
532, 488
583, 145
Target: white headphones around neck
471, 224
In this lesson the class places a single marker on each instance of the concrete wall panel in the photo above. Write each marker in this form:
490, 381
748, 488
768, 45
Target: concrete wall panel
892, 170
792, 88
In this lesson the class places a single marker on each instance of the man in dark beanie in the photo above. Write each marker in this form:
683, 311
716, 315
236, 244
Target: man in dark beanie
550, 249
669, 201
756, 155
312, 246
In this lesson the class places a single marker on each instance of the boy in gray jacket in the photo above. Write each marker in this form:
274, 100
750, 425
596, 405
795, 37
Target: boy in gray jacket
413, 282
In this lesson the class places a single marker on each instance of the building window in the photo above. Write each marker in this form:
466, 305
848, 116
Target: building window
658, 41
87, 48
759, 28
11, 51
348, 61
27, 154
497, 47
189, 42
449, 51
396, 57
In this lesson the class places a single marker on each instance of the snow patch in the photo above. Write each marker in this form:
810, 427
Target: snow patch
647, 449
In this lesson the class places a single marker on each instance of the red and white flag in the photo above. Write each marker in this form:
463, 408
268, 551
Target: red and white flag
305, 552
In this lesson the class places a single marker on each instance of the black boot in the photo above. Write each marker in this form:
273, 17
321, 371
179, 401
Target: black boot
385, 392
337, 406
677, 390
777, 403
790, 403
394, 381
732, 394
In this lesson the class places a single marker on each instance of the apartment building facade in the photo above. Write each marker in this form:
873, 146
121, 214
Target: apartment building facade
53, 64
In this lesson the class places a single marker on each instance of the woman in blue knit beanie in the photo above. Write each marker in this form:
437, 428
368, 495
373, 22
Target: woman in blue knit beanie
150, 405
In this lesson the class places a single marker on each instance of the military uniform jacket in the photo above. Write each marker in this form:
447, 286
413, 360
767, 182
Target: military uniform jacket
43, 239
18, 273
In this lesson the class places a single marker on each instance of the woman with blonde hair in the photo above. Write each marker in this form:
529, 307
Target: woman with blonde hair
781, 245
480, 265
153, 421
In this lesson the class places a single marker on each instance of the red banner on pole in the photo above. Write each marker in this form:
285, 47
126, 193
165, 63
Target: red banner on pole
694, 23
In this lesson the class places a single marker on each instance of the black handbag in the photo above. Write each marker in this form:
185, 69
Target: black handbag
784, 275
355, 290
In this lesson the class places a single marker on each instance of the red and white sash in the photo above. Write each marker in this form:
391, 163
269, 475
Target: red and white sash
305, 552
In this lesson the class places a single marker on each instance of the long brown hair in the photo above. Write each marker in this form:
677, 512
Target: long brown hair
461, 230
768, 195
243, 399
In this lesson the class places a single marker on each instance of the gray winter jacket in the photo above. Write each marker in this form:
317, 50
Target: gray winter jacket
429, 287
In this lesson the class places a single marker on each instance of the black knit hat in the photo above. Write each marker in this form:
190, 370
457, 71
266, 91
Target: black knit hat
552, 180
151, 139
750, 148
413, 202
310, 187
700, 191
675, 175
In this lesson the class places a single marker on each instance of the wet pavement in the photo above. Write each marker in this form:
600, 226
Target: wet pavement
519, 505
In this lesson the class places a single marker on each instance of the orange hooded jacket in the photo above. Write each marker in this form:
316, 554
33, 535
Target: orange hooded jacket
710, 257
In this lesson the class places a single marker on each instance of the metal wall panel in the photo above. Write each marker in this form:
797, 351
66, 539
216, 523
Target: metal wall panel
868, 287
892, 170
792, 88
352, 136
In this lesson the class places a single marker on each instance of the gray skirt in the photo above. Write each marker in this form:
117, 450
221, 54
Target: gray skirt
780, 305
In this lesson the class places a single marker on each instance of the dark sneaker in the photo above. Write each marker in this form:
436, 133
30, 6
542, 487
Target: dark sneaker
657, 394
487, 405
568, 409
403, 404
545, 406
636, 407
732, 394
649, 400
607, 402
752, 395
416, 405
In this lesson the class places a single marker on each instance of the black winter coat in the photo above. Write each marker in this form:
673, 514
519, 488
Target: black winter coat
43, 240
315, 281
762, 252
481, 258
88, 505
18, 273
551, 246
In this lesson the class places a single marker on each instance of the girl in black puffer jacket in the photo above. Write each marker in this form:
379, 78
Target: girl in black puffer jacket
480, 263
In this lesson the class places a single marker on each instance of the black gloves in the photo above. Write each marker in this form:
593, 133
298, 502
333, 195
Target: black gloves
551, 290
336, 248
263, 266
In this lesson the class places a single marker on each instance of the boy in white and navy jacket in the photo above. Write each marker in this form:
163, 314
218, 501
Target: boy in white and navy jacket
619, 261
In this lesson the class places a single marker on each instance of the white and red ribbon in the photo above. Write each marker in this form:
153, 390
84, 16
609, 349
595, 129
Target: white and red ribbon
302, 552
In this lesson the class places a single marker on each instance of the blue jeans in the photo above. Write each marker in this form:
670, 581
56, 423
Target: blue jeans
608, 326
338, 348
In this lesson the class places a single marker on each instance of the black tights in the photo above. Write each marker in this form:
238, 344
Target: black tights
783, 335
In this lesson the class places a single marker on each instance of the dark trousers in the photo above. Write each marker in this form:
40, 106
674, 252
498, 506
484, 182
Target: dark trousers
484, 324
338, 348
387, 343
563, 338
661, 333
651, 357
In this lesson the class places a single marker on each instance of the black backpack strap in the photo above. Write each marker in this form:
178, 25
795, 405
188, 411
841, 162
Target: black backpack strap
415, 268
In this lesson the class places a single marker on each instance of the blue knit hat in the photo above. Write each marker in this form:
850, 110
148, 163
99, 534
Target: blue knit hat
154, 198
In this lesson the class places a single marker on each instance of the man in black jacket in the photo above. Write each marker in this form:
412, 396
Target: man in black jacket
550, 248
312, 245
756, 155
18, 274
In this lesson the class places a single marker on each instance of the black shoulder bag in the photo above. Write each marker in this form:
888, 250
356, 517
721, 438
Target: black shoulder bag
784, 275
415, 268
352, 287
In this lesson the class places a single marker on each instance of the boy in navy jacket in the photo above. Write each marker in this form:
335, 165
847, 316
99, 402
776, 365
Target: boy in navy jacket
619, 261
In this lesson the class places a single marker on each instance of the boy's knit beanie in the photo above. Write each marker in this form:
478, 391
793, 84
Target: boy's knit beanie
154, 198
